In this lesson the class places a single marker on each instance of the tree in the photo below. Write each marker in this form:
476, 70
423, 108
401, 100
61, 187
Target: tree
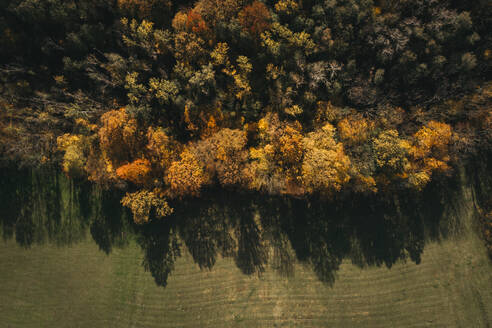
391, 152
144, 204
429, 152
215, 11
262, 173
325, 168
287, 7
289, 152
188, 48
196, 24
118, 135
224, 154
355, 130
255, 18
75, 148
186, 176
137, 172
162, 149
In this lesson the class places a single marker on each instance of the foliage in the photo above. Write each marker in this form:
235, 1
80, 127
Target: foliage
118, 135
255, 18
354, 130
136, 172
186, 176
284, 97
75, 149
161, 148
145, 203
325, 168
430, 152
391, 152
224, 155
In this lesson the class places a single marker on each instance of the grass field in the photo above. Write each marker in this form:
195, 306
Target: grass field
79, 286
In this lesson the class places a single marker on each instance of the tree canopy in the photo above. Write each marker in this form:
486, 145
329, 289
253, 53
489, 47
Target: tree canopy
164, 98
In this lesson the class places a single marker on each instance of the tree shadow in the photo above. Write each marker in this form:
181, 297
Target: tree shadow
260, 231
161, 248
110, 224
256, 231
42, 205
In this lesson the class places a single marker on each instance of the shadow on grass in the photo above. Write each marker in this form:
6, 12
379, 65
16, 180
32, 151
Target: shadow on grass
258, 231
255, 230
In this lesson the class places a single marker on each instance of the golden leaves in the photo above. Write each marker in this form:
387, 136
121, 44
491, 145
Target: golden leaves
391, 151
286, 6
186, 176
136, 172
162, 149
74, 158
141, 203
325, 167
354, 130
118, 134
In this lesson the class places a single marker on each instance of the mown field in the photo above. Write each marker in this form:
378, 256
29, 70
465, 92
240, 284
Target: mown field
79, 286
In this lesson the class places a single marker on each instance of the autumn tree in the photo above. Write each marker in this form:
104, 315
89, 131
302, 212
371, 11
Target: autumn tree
262, 173
355, 130
145, 204
391, 152
289, 151
161, 149
215, 11
224, 155
429, 152
189, 48
137, 172
240, 74
326, 167
143, 37
255, 18
118, 136
186, 176
75, 148
277, 162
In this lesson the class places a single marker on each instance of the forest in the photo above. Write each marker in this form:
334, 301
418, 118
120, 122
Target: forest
162, 100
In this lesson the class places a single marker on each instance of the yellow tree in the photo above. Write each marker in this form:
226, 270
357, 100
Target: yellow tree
289, 152
429, 152
144, 203
391, 157
227, 147
214, 11
75, 148
355, 130
391, 152
161, 149
326, 167
276, 163
118, 136
186, 176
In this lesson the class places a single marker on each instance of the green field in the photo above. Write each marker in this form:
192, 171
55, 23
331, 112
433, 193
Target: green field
79, 286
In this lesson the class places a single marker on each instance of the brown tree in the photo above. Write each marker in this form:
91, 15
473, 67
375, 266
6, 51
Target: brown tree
255, 18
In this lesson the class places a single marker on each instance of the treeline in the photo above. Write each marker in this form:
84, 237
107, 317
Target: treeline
162, 99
